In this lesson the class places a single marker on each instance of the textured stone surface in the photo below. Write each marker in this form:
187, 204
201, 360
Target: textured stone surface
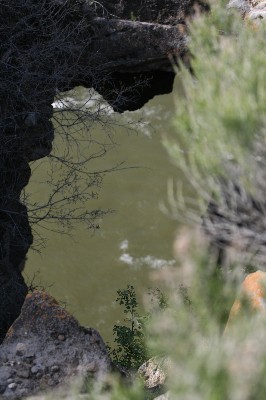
153, 372
250, 9
34, 357
142, 34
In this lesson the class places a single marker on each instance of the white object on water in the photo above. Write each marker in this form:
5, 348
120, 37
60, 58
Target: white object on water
127, 259
150, 261
123, 245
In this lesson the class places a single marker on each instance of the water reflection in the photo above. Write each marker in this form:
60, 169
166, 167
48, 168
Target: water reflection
86, 270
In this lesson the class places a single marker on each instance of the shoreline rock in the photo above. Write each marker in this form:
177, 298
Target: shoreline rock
46, 348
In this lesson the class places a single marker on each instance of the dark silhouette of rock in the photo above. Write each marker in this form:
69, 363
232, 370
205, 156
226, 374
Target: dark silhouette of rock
169, 12
46, 348
138, 40
12, 293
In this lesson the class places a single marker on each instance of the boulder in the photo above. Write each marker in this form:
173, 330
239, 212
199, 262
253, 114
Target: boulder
251, 298
46, 348
153, 373
250, 9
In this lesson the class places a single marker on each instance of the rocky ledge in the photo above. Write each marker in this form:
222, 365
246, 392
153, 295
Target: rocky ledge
47, 348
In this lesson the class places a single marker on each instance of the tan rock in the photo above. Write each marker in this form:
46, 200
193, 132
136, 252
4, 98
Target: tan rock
251, 299
153, 372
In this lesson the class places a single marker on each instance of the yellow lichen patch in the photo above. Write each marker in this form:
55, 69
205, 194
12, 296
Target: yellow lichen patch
254, 287
251, 298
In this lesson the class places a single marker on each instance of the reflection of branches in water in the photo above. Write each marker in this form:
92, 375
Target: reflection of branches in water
35, 283
74, 172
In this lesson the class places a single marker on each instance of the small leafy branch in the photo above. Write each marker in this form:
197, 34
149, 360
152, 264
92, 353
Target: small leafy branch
130, 351
130, 339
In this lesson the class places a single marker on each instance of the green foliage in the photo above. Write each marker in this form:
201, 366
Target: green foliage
130, 351
206, 362
220, 115
221, 108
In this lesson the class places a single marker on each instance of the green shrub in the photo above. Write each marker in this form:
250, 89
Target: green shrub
220, 110
220, 119
130, 351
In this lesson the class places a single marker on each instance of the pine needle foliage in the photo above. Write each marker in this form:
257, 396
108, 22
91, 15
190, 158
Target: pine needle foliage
221, 108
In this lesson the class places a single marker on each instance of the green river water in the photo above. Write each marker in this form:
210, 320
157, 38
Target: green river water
86, 270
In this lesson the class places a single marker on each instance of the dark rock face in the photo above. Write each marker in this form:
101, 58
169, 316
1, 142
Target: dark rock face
46, 347
149, 84
160, 11
12, 294
138, 67
147, 47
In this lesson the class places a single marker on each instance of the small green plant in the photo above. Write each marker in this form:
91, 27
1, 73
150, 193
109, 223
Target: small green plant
130, 351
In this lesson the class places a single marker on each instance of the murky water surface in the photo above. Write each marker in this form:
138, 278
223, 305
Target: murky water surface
87, 269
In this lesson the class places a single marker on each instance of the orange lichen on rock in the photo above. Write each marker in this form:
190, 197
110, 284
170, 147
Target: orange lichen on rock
251, 298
